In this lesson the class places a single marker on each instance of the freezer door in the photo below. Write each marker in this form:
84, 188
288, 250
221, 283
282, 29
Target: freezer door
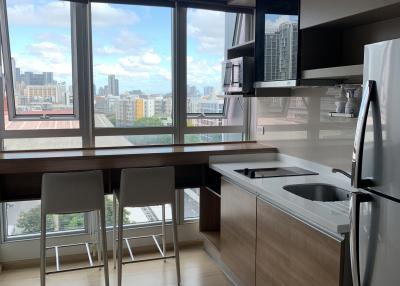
381, 157
379, 242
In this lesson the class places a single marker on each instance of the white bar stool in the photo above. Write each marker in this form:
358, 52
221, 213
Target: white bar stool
67, 193
143, 187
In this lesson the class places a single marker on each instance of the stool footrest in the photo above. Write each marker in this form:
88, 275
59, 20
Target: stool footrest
149, 259
75, 269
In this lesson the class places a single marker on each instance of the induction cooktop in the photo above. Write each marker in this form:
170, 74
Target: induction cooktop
274, 172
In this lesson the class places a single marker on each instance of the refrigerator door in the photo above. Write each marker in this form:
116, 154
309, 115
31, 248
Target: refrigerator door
379, 247
381, 157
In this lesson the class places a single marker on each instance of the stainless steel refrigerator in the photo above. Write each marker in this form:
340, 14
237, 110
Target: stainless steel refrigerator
375, 210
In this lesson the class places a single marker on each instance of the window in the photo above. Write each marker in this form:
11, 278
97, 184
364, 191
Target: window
41, 60
132, 64
23, 220
137, 216
133, 140
209, 35
191, 204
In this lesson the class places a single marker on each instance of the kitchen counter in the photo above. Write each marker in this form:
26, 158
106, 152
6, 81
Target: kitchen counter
330, 217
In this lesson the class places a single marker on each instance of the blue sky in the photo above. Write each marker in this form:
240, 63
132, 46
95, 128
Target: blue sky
132, 42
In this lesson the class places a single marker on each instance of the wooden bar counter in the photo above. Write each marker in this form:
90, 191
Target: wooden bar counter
21, 171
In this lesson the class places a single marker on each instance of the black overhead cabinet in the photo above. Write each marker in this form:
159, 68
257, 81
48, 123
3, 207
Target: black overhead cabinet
277, 43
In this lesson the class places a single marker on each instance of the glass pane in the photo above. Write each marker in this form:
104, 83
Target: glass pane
42, 143
135, 140
138, 216
40, 40
213, 137
209, 35
23, 218
132, 65
281, 40
191, 203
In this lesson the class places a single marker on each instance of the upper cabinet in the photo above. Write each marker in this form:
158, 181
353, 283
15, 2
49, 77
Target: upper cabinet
277, 42
318, 43
316, 12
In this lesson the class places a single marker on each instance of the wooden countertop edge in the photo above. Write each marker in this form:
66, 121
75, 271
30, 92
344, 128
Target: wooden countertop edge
159, 150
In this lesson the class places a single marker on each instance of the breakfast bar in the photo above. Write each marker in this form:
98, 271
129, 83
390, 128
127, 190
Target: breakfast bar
21, 172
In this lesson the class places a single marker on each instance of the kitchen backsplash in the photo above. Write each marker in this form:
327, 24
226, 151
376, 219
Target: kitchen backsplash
300, 125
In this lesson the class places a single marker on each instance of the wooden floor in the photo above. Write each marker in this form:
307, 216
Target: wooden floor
197, 269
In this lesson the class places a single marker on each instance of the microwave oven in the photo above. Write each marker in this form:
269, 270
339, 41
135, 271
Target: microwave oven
238, 76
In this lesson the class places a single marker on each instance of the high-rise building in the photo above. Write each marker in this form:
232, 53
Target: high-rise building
139, 108
149, 107
281, 52
124, 112
192, 91
208, 90
113, 85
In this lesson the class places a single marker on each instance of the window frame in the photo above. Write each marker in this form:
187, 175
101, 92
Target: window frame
9, 80
81, 37
23, 237
151, 130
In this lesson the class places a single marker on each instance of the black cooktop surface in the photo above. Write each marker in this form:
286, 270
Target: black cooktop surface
275, 172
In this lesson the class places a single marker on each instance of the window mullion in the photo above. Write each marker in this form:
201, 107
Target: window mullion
81, 66
6, 52
180, 55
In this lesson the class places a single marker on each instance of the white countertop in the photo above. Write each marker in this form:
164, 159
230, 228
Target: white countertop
330, 217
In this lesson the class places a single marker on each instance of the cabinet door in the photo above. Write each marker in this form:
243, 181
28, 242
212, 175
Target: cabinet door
238, 232
292, 253
315, 12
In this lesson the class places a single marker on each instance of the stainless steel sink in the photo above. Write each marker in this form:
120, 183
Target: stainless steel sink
319, 192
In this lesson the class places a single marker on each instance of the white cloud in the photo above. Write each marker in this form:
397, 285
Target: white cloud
271, 26
104, 15
201, 72
46, 57
151, 58
208, 27
57, 14
143, 65
125, 42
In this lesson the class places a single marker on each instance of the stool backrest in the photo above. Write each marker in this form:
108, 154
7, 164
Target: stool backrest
72, 192
147, 186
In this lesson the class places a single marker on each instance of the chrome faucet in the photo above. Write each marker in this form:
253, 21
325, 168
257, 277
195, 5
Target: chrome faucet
334, 170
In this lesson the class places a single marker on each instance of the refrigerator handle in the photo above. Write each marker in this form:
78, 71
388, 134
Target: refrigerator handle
356, 199
356, 180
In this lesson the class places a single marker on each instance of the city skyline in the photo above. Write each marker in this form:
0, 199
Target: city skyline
40, 35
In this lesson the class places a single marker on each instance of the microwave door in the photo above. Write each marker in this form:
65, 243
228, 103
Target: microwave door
228, 74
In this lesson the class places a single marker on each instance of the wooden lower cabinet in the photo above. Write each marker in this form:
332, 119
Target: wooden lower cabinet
238, 232
290, 252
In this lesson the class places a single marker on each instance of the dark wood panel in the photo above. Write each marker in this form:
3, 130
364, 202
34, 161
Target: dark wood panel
116, 158
292, 253
238, 232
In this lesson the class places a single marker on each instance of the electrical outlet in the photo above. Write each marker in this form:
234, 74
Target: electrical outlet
260, 130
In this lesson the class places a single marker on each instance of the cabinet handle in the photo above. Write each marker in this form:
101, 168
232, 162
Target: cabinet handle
356, 199
357, 181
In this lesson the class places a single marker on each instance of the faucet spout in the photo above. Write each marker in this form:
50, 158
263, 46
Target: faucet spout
334, 170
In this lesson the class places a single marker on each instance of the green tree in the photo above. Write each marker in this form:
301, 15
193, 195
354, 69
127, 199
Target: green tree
147, 122
29, 221
109, 213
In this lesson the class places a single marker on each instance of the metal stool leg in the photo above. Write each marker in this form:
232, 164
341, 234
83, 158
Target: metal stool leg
114, 230
163, 232
104, 244
43, 250
176, 246
120, 243
98, 239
